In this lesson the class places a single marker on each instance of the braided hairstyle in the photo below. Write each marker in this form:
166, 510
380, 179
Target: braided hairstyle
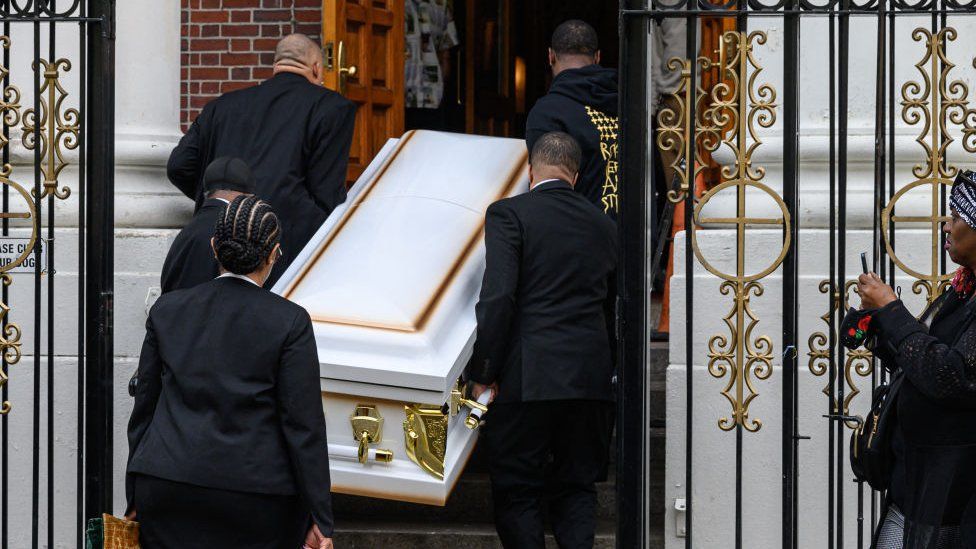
245, 234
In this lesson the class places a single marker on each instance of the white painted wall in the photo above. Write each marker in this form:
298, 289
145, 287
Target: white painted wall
713, 449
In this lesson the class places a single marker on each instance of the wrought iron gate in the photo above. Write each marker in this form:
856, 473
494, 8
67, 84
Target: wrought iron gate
56, 254
721, 114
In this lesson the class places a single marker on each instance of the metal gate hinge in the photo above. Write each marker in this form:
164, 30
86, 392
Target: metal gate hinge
108, 21
106, 306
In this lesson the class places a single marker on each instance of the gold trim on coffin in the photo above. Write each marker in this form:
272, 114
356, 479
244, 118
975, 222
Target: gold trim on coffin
418, 323
935, 102
425, 437
739, 105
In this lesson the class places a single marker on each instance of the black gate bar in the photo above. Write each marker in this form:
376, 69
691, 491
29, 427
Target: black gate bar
636, 217
99, 287
791, 196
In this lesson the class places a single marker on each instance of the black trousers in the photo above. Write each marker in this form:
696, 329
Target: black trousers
553, 452
174, 515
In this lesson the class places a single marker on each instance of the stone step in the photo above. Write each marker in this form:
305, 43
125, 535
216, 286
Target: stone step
471, 502
658, 364
370, 534
657, 403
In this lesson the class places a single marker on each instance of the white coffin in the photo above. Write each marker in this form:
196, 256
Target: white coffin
391, 281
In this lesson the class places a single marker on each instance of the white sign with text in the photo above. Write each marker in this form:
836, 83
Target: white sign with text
12, 248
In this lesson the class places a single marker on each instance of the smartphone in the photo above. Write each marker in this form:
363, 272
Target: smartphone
864, 262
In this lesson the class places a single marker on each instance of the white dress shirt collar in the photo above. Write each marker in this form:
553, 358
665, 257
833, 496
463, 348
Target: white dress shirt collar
532, 188
242, 277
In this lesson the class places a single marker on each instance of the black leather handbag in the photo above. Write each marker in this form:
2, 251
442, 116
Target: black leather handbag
871, 442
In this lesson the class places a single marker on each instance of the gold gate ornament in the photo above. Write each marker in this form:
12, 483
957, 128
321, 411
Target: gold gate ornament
858, 361
935, 103
54, 129
739, 106
10, 345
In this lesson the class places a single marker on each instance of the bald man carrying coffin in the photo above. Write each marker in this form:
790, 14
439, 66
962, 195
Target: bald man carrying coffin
292, 132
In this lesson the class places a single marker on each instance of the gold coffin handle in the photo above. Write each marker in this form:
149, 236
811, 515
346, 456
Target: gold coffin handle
367, 428
344, 71
364, 440
459, 400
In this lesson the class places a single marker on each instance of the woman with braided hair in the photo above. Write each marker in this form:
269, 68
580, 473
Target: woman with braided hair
227, 441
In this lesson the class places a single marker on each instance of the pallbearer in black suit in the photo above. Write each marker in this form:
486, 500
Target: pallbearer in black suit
543, 346
293, 133
191, 260
227, 441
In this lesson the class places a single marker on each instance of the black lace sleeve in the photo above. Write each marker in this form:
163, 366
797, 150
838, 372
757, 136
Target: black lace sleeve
941, 372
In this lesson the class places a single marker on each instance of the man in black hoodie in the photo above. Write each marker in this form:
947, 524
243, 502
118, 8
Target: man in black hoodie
582, 102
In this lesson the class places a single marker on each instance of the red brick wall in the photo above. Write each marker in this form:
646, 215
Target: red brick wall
229, 44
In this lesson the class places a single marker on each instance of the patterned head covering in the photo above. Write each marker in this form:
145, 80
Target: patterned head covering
963, 197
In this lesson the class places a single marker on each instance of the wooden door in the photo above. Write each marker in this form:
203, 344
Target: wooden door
490, 68
364, 54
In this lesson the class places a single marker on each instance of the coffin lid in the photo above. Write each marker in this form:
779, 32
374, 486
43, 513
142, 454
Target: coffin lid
392, 277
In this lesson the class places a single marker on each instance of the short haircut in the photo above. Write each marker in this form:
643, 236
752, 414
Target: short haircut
557, 149
297, 49
575, 37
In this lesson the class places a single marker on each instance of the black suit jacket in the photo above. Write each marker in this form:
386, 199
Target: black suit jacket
228, 396
294, 135
191, 260
542, 324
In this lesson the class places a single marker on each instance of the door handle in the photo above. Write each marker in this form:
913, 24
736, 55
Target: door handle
344, 71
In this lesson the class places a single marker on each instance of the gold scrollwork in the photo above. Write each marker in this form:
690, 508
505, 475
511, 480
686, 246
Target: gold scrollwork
9, 98
56, 129
739, 106
674, 127
10, 334
934, 103
10, 344
726, 356
425, 437
858, 361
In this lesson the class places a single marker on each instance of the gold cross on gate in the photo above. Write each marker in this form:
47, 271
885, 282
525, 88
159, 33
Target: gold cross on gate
934, 281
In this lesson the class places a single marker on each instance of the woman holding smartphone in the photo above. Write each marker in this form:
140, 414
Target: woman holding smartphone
931, 503
227, 441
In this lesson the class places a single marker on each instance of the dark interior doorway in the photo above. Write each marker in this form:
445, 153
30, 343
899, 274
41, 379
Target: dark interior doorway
501, 67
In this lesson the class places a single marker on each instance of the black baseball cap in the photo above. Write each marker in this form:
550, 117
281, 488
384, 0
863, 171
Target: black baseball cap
228, 174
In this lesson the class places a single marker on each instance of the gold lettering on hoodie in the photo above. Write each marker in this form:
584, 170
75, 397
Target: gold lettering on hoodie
607, 126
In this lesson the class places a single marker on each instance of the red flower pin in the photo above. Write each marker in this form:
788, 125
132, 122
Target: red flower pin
864, 323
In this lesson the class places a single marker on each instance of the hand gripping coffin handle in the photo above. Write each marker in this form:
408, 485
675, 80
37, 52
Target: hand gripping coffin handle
478, 409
